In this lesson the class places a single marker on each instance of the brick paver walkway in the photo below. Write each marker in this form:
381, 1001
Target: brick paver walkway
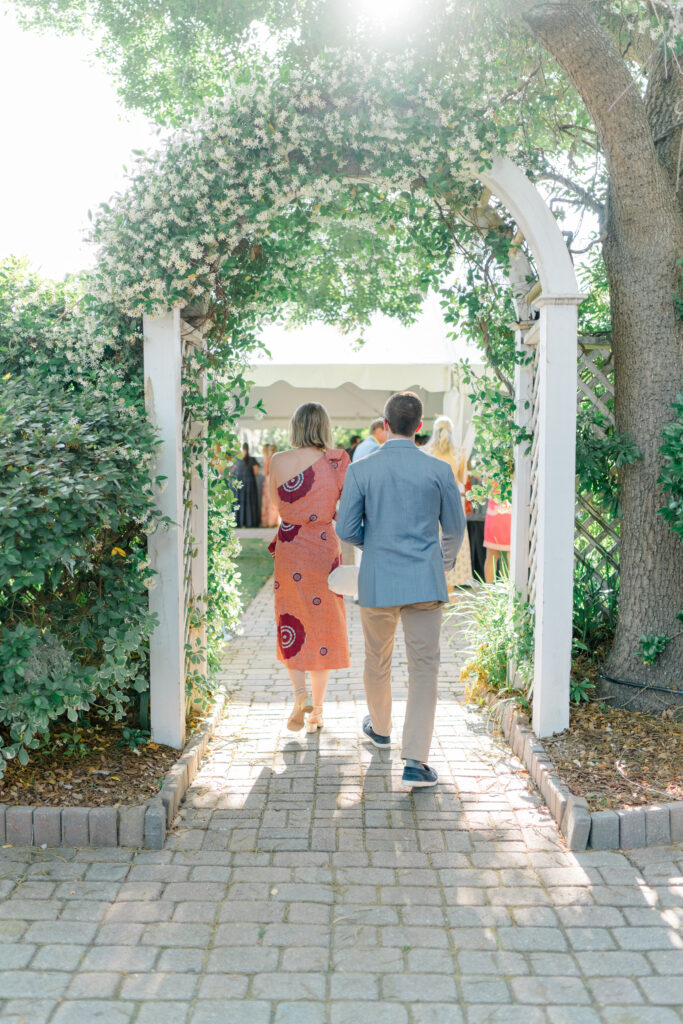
302, 886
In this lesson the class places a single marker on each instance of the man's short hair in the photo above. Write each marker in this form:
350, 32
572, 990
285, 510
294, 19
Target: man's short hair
376, 424
403, 413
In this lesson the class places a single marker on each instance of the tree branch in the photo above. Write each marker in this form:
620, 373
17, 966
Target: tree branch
578, 190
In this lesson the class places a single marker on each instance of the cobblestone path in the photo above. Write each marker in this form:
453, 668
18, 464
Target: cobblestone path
300, 885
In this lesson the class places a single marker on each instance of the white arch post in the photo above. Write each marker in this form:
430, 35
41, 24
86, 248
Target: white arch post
556, 431
163, 400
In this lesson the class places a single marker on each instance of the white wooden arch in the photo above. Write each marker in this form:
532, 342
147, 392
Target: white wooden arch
543, 488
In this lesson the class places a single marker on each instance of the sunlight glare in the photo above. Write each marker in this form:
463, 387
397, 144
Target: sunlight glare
385, 14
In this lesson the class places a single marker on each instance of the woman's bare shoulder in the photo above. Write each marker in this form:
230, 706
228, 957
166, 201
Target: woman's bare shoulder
278, 458
280, 463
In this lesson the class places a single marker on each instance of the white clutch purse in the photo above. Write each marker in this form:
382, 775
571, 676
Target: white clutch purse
344, 580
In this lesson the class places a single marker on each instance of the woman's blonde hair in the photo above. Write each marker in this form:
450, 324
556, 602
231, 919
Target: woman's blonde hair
442, 441
310, 427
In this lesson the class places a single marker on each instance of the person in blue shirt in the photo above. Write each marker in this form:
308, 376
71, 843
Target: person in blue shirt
371, 443
403, 508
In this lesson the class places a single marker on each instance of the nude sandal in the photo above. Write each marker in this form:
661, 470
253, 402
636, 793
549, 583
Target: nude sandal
315, 719
295, 722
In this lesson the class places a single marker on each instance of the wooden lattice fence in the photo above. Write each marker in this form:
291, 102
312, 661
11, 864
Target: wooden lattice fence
596, 540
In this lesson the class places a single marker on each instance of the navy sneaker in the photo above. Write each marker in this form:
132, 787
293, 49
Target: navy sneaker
379, 741
419, 778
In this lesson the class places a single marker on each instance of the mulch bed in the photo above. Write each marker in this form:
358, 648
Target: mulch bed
89, 766
619, 758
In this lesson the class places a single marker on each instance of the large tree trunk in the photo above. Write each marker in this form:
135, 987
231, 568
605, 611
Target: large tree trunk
643, 242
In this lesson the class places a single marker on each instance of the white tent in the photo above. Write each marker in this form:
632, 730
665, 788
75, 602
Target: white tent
318, 363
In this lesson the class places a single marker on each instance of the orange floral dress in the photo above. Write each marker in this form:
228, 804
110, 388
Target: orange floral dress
311, 620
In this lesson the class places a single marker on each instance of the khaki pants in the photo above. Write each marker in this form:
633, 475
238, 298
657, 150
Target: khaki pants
422, 631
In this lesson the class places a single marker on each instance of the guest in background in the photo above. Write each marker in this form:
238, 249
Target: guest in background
247, 511
443, 446
258, 476
269, 512
421, 440
475, 513
375, 440
353, 444
497, 531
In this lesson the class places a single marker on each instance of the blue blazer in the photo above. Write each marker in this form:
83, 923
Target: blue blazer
391, 506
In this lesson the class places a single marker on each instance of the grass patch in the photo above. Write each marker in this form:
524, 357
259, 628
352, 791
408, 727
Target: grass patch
255, 565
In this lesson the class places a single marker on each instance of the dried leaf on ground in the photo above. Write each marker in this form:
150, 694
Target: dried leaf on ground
619, 758
106, 774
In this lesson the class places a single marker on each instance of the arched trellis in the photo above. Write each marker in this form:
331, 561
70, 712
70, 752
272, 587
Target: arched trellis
543, 487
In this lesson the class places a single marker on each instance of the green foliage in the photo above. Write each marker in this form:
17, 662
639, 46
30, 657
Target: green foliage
671, 477
224, 604
500, 632
594, 606
133, 738
600, 453
651, 646
580, 690
595, 315
168, 58
75, 508
255, 566
75, 503
480, 308
70, 743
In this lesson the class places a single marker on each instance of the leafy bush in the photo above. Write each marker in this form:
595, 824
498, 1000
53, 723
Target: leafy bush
75, 507
224, 603
594, 607
500, 632
75, 503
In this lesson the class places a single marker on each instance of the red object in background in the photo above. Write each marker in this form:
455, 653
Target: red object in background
468, 503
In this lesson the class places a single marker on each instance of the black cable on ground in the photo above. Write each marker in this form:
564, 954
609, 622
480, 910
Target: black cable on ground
641, 686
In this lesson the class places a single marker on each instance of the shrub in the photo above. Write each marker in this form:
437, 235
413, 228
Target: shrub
500, 632
224, 604
75, 508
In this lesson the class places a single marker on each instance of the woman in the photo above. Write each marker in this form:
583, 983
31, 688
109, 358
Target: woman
475, 513
497, 531
442, 445
247, 512
269, 514
305, 485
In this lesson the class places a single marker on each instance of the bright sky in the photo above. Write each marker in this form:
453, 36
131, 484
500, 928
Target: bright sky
66, 139
70, 140
386, 341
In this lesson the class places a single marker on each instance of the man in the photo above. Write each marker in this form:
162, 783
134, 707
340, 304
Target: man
376, 438
354, 441
392, 504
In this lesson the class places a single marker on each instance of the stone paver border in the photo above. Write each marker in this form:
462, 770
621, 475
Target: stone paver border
139, 825
624, 829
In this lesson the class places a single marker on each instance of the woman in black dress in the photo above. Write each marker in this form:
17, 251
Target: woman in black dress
247, 509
